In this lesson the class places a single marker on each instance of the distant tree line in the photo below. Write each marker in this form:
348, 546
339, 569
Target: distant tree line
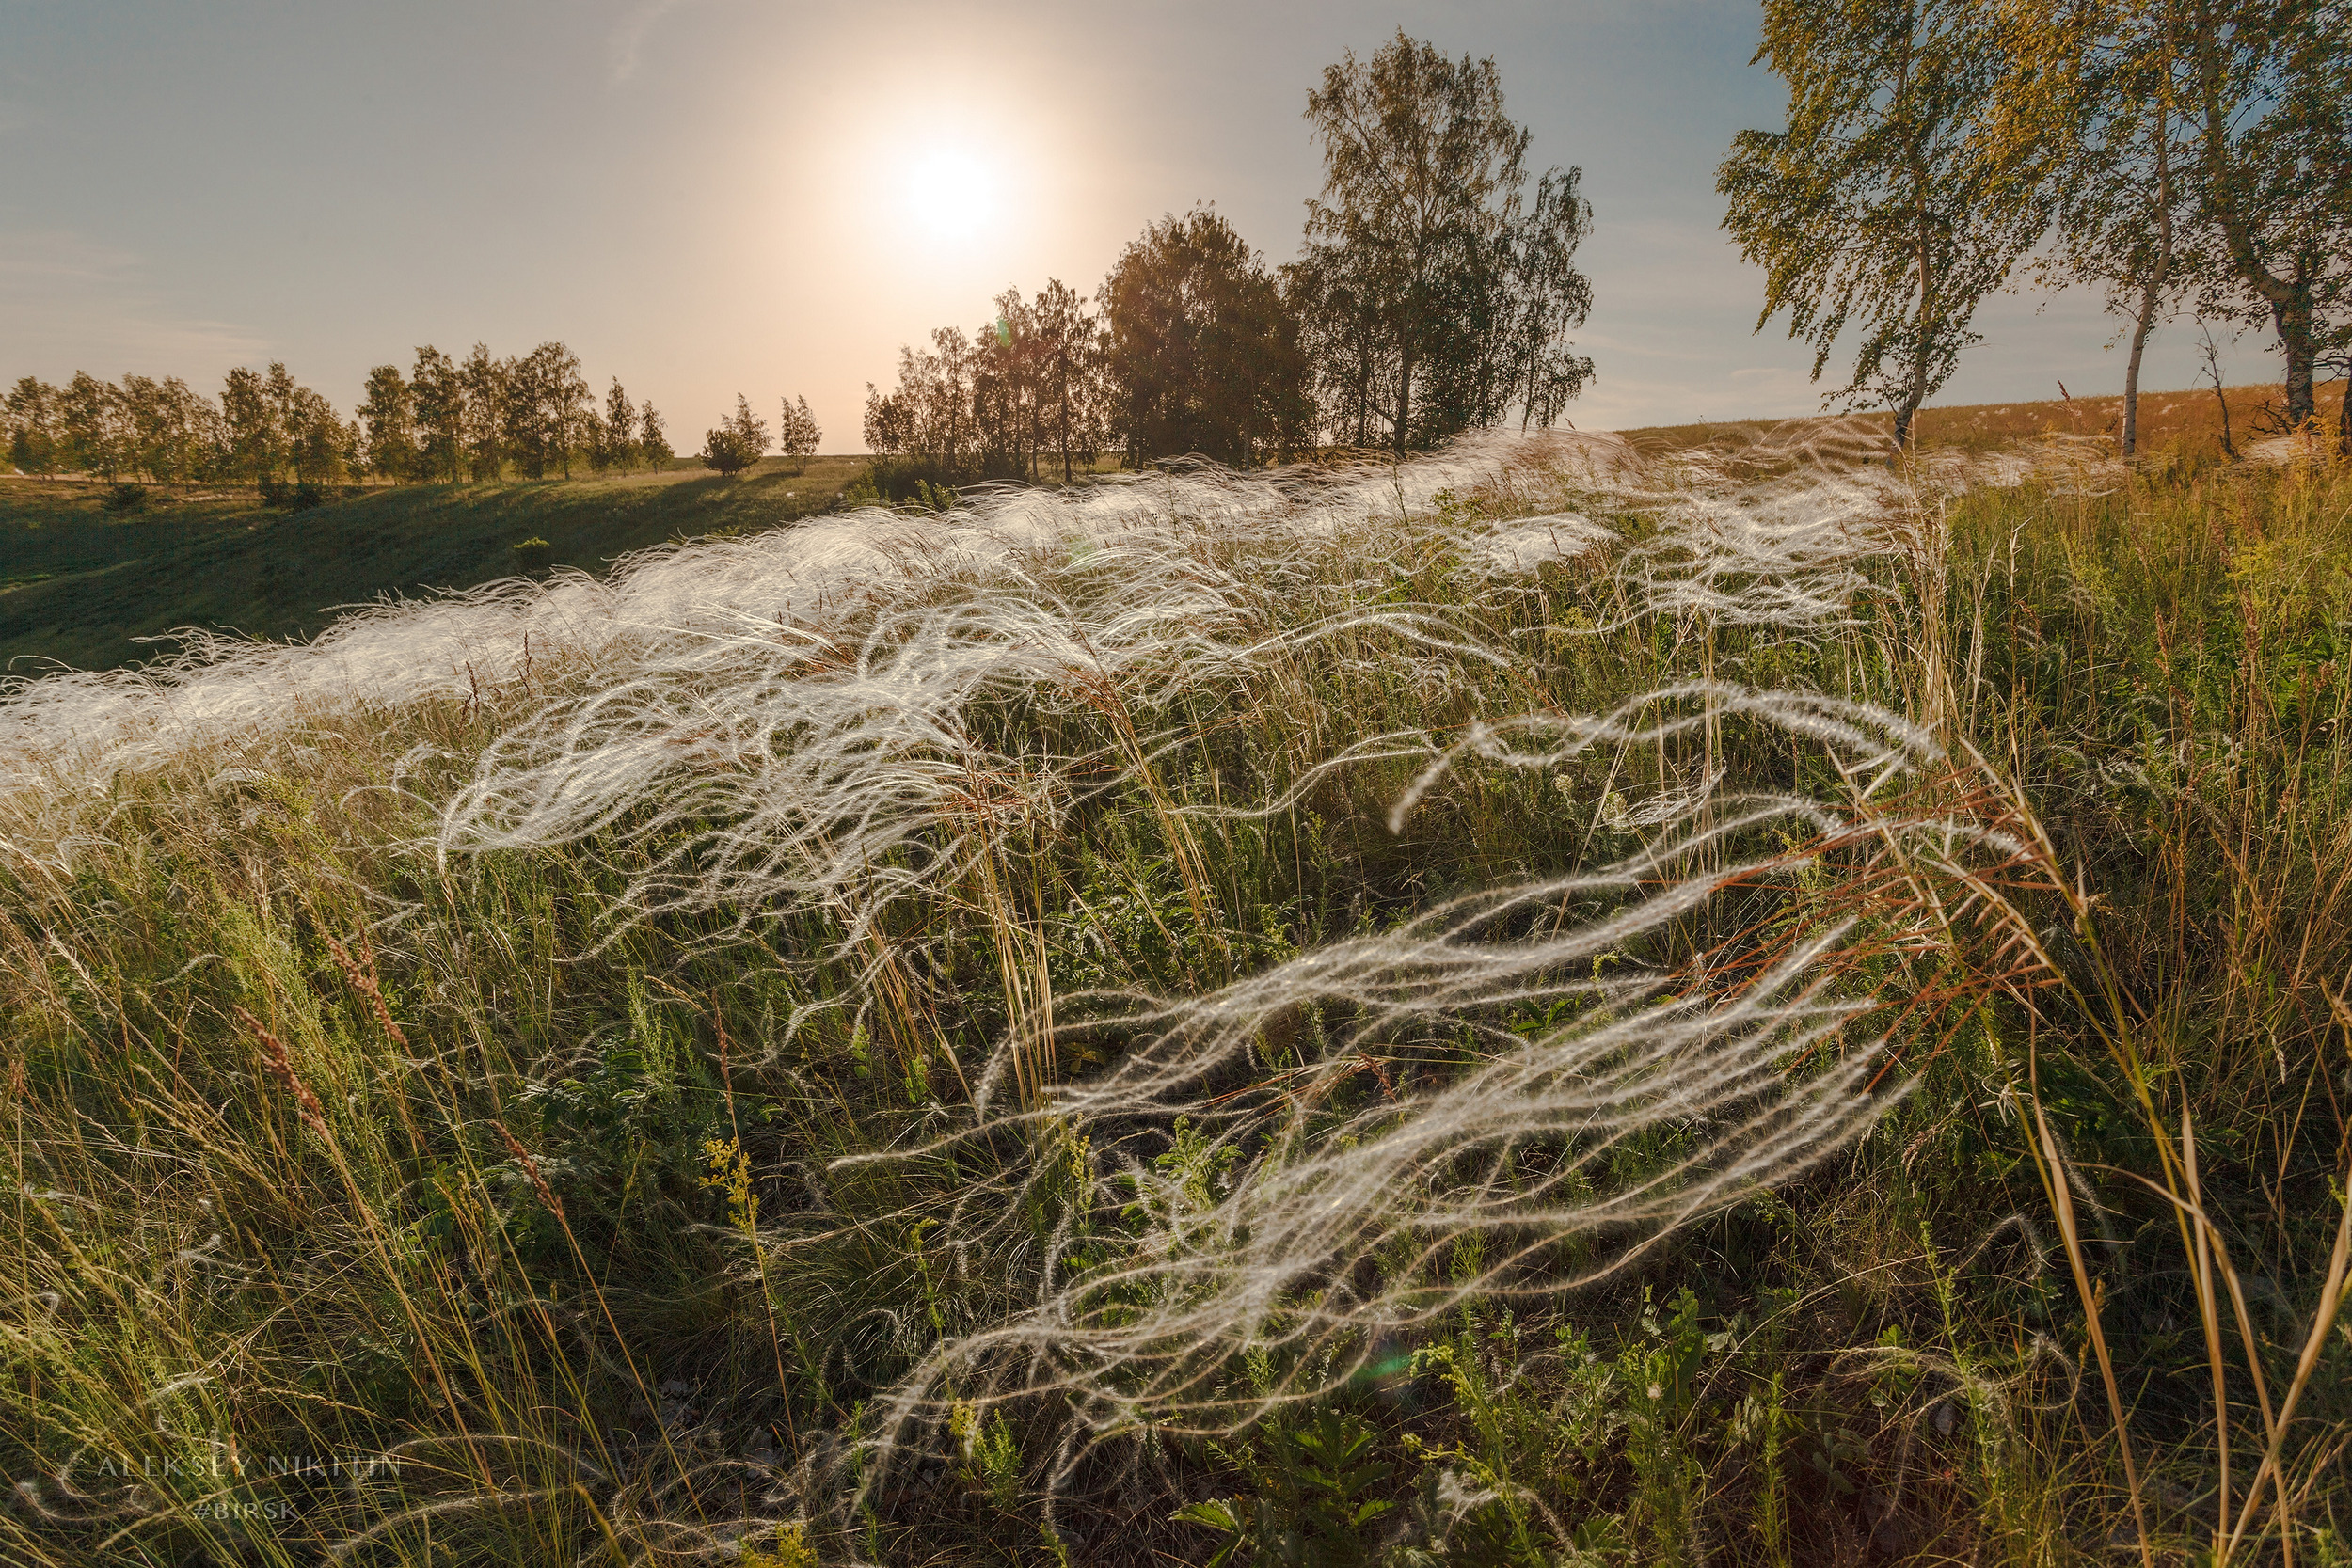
481, 417
1435, 293
2179, 155
445, 419
1025, 393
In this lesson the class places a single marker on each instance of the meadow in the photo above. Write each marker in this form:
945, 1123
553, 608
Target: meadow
90, 584
1710, 997
85, 582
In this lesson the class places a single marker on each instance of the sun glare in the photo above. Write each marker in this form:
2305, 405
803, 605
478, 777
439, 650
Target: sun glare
953, 194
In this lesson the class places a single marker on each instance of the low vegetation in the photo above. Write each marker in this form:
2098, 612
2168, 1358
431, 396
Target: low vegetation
1551, 1004
93, 572
87, 579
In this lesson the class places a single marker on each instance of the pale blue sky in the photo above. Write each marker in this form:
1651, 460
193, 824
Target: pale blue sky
709, 196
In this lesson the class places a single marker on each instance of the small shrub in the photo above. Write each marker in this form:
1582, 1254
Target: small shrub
534, 555
126, 496
725, 451
1312, 1503
991, 1454
921, 482
295, 498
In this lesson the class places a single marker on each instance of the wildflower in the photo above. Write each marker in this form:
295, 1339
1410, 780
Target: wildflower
731, 1172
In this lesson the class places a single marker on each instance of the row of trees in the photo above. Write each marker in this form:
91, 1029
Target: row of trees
2179, 155
1026, 391
1435, 293
447, 419
478, 418
266, 427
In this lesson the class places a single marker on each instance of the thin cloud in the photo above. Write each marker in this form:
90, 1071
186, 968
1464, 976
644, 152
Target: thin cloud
70, 303
625, 45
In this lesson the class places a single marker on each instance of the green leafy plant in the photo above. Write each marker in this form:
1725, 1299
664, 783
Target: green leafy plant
1313, 1499
988, 1452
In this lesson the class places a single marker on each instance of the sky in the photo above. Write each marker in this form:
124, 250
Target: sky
711, 197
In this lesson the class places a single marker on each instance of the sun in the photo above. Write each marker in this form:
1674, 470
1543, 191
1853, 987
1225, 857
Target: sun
953, 194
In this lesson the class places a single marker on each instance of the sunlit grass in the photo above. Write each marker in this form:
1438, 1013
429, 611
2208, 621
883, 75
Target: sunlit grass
964, 1037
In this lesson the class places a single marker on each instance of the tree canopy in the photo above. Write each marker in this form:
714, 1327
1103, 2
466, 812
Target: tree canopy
1886, 205
2271, 102
1201, 355
2171, 153
1435, 298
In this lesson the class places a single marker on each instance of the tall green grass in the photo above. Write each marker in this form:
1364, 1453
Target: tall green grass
369, 1203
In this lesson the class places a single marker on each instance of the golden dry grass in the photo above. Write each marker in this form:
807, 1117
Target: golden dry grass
2186, 422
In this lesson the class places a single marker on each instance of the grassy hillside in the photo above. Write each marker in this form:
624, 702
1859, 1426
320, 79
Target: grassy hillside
2187, 424
79, 583
1772, 1014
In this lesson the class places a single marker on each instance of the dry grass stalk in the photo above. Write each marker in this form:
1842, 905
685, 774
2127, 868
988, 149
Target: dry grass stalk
280, 1066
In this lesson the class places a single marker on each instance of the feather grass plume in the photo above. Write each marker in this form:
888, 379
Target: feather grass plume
1333, 1155
1282, 1169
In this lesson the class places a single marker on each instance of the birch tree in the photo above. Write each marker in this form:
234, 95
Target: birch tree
33, 436
437, 397
482, 380
1884, 207
1069, 380
2270, 85
617, 436
388, 418
653, 441
797, 431
245, 405
1434, 298
1006, 374
1335, 295
2098, 86
1551, 299
90, 417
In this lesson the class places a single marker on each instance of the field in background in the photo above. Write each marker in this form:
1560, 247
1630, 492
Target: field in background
2182, 425
79, 584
